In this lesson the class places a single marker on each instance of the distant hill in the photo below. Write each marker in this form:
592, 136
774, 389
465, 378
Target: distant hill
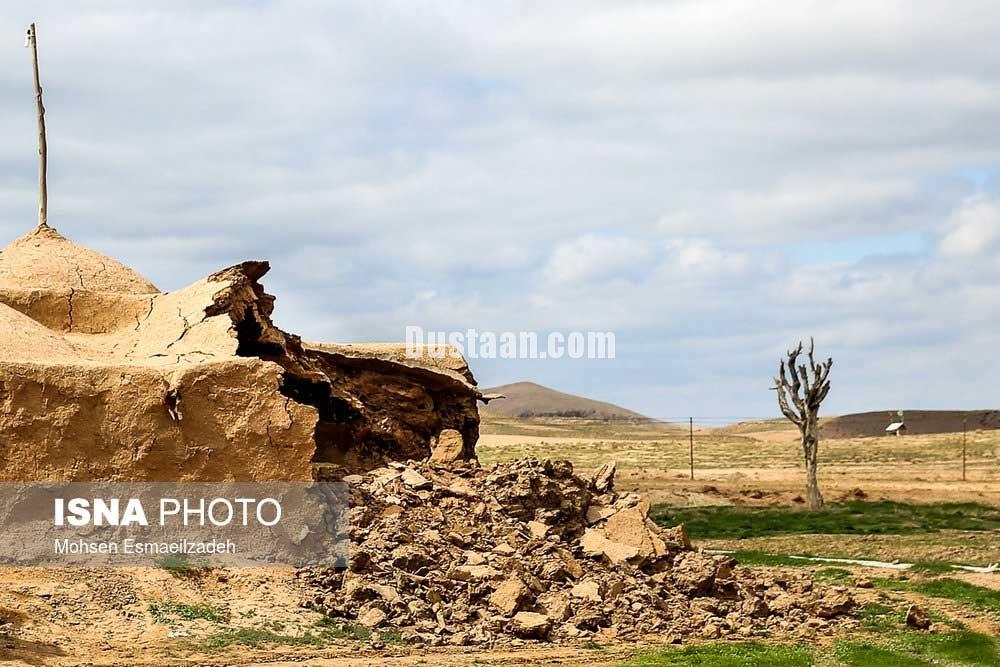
527, 399
917, 422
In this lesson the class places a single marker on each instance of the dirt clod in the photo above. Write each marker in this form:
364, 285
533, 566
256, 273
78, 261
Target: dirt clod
917, 618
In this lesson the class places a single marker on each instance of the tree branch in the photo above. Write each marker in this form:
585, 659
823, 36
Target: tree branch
802, 387
808, 386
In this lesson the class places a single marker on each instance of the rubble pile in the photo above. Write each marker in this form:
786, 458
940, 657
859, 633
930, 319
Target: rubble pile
446, 552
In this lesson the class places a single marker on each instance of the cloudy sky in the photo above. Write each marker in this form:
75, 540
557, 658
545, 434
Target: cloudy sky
708, 180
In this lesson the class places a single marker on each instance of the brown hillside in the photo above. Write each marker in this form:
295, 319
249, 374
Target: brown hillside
917, 422
527, 399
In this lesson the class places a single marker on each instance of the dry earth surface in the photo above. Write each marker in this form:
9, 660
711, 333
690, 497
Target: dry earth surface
153, 616
103, 617
755, 463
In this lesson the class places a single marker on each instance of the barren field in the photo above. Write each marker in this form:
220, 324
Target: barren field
757, 462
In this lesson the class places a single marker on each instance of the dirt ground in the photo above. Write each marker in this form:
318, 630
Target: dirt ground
759, 463
150, 616
104, 617
909, 483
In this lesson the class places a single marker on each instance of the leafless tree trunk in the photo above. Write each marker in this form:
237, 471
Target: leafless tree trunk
799, 401
43, 150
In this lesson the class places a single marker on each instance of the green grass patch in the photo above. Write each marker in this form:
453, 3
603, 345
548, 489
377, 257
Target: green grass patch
915, 649
169, 613
728, 655
875, 617
835, 575
932, 567
256, 637
848, 518
340, 630
976, 597
333, 629
326, 632
179, 567
965, 648
865, 654
900, 648
753, 558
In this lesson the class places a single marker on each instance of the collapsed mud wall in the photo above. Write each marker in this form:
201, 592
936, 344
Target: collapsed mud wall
372, 406
199, 384
401, 410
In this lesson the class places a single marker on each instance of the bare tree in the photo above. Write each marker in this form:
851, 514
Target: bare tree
799, 401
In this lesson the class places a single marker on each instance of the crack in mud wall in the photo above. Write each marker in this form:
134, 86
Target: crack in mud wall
336, 427
370, 410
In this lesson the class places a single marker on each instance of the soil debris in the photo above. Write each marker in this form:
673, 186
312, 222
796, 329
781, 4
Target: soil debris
528, 550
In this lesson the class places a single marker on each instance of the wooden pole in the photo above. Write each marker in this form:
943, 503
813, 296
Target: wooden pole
43, 149
691, 443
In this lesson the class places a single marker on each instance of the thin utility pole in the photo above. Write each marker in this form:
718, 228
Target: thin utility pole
43, 149
691, 443
965, 421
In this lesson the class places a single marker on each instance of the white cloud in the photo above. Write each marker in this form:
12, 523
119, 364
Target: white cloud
591, 257
805, 204
972, 229
700, 258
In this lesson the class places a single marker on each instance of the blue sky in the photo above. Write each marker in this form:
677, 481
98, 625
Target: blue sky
709, 180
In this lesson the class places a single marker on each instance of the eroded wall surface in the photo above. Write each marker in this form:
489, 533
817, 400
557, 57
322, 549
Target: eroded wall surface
199, 384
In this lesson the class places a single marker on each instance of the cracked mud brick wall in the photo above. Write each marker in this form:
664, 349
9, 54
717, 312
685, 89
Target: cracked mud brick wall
73, 310
199, 385
227, 421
